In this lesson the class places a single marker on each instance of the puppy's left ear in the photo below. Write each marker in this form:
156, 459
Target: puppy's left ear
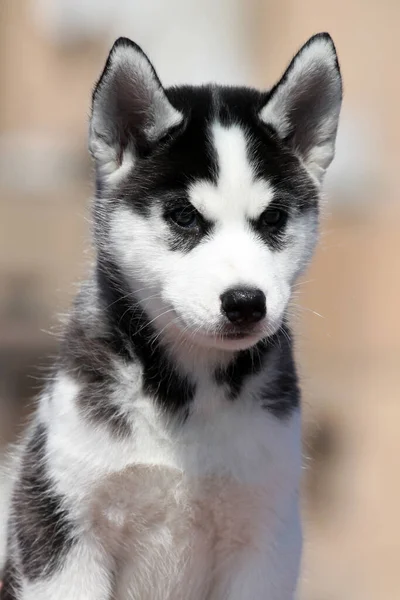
304, 106
130, 109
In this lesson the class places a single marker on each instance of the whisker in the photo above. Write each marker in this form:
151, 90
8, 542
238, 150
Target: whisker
305, 308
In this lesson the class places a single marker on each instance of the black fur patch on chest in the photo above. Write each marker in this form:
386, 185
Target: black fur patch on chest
134, 335
280, 394
11, 589
88, 358
246, 363
43, 530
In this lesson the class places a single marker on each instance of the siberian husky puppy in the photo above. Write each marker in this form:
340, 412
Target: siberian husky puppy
164, 459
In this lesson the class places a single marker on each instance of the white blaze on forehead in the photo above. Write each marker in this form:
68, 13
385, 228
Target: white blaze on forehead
238, 193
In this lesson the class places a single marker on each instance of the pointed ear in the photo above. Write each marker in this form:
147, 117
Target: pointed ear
130, 110
304, 106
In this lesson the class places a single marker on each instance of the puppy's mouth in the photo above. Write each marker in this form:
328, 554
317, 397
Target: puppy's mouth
237, 334
224, 336
230, 338
234, 335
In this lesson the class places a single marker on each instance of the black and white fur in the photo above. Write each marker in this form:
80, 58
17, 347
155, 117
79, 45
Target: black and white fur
164, 459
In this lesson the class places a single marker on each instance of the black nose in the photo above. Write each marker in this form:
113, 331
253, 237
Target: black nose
243, 306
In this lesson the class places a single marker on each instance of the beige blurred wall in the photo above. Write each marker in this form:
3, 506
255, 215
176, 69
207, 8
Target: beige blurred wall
44, 103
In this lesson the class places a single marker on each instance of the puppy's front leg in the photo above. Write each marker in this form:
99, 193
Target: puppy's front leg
267, 571
82, 575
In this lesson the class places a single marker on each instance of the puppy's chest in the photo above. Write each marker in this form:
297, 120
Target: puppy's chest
221, 437
201, 492
172, 532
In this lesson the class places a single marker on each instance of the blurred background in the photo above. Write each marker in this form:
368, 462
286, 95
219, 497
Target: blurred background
346, 311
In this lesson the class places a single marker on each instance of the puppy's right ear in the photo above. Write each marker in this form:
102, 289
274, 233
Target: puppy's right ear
130, 109
304, 106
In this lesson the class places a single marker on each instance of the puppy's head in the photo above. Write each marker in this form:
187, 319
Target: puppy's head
207, 197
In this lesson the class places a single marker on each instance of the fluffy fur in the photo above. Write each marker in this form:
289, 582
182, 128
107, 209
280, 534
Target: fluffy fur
164, 459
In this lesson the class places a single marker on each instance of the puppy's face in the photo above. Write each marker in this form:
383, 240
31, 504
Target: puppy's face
215, 256
209, 205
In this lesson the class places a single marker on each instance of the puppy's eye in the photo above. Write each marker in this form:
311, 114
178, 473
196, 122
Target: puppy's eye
185, 218
274, 218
